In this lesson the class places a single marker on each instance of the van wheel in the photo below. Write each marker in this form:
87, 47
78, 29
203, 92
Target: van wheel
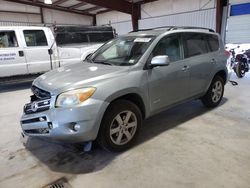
215, 93
120, 126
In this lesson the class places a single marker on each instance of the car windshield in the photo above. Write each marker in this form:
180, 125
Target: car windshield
123, 51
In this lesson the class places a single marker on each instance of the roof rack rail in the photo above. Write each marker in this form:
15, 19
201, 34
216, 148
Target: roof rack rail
149, 29
192, 27
175, 28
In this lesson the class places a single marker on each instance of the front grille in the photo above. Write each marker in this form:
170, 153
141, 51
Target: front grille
34, 120
37, 106
37, 131
39, 93
40, 101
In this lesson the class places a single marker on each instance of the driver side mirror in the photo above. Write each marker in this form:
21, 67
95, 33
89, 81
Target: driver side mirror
161, 60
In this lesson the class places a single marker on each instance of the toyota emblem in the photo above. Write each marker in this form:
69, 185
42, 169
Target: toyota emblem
34, 106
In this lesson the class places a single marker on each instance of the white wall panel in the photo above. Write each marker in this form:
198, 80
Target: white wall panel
16, 17
202, 18
166, 7
8, 6
233, 2
50, 16
112, 17
122, 27
60, 17
121, 22
238, 29
165, 12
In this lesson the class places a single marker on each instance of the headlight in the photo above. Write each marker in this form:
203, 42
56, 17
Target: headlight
74, 97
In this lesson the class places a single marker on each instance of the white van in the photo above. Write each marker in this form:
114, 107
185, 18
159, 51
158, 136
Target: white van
26, 50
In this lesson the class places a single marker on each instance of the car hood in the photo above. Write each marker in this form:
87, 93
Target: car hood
77, 76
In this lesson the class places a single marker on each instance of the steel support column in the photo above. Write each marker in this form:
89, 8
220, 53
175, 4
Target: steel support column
136, 15
219, 9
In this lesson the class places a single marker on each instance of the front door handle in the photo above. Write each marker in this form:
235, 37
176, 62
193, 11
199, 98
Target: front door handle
185, 68
21, 53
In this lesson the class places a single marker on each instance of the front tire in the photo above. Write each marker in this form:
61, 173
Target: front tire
215, 93
120, 126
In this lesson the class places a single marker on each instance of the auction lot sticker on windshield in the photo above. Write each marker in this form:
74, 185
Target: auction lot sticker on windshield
142, 40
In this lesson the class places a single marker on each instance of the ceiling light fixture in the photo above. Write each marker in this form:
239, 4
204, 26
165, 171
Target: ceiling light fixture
48, 2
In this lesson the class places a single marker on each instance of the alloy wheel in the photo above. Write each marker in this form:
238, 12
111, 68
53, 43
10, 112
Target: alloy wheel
123, 127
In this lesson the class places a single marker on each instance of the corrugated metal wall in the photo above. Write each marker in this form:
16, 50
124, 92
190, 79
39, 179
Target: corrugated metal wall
201, 18
50, 16
120, 21
11, 23
122, 27
238, 27
165, 12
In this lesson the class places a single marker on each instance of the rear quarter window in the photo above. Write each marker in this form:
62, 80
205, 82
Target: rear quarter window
213, 43
8, 39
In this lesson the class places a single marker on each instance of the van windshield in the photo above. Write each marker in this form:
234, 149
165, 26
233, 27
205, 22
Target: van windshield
123, 51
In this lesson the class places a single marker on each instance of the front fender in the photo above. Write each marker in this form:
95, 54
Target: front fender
128, 91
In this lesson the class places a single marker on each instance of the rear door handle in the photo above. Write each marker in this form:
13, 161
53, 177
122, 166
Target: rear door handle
21, 53
213, 61
185, 68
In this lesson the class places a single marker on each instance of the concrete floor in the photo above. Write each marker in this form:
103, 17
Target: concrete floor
187, 146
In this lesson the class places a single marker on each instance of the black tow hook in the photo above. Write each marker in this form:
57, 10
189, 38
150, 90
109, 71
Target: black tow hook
233, 83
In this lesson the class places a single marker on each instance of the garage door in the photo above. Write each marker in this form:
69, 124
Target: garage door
238, 22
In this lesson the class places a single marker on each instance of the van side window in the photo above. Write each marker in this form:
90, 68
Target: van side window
71, 38
194, 44
35, 38
213, 43
169, 46
8, 39
100, 37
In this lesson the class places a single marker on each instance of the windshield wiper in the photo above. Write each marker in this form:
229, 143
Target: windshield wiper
89, 60
103, 62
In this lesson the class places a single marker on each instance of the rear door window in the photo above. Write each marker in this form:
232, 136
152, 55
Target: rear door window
213, 43
35, 38
194, 44
8, 39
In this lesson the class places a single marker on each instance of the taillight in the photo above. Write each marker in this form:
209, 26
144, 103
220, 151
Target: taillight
227, 53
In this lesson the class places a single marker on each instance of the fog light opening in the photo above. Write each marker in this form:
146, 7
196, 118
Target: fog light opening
50, 125
42, 119
76, 127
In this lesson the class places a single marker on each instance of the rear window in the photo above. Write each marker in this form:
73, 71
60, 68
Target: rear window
195, 44
8, 39
213, 43
35, 38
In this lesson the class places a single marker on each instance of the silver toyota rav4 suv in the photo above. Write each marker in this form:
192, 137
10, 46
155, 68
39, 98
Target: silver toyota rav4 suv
128, 79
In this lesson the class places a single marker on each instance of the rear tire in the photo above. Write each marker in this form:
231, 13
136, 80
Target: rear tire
215, 93
120, 126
